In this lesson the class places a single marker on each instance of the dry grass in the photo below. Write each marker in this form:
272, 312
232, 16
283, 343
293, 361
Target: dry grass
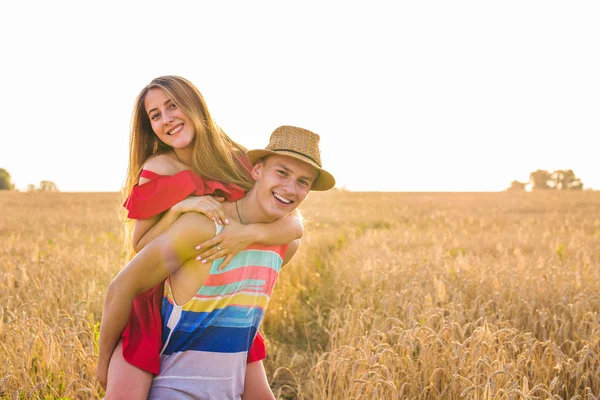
417, 296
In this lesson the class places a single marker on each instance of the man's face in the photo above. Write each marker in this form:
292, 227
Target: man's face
282, 183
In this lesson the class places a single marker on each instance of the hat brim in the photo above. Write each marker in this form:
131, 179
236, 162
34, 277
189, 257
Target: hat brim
324, 181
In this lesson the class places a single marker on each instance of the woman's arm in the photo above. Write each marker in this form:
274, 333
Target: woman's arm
149, 267
236, 237
207, 205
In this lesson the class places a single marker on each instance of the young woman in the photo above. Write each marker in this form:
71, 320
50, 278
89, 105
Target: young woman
210, 315
180, 161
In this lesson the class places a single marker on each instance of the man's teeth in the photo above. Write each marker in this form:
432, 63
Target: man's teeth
174, 131
282, 199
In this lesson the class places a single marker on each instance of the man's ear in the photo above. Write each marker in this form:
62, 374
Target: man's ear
257, 170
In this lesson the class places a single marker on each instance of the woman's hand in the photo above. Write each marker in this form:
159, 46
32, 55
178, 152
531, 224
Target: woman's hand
207, 205
234, 238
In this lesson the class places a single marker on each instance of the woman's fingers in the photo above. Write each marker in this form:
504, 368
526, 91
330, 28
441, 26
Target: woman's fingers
218, 212
221, 217
211, 253
225, 262
208, 211
209, 243
207, 205
212, 212
214, 215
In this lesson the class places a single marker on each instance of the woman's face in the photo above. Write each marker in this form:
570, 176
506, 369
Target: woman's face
168, 122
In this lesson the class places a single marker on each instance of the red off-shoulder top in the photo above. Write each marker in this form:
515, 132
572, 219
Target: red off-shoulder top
142, 337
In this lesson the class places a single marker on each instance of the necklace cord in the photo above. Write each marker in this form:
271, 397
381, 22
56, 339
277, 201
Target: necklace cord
238, 210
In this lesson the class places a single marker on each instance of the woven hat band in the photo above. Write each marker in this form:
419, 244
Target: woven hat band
299, 153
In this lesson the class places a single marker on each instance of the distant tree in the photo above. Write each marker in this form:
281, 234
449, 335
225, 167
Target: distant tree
48, 186
565, 180
557, 180
5, 180
517, 186
539, 179
31, 187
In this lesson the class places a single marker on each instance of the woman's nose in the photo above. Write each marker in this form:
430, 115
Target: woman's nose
167, 118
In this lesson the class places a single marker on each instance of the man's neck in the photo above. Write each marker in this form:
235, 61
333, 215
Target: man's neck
246, 211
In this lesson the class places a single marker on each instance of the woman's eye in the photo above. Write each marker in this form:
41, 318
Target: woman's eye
303, 183
172, 106
154, 116
282, 173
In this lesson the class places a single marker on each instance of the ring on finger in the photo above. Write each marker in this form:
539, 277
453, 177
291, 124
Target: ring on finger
218, 247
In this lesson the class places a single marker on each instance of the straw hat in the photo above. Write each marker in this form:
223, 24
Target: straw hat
298, 143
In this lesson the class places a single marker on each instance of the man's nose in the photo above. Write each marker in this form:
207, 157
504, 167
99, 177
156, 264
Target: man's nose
290, 186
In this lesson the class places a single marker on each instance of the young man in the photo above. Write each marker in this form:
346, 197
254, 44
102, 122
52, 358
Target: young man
210, 316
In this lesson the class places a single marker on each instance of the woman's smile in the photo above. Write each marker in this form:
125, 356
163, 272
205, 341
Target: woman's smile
176, 130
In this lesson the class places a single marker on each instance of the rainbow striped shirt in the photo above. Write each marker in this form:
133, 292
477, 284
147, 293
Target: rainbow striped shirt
206, 340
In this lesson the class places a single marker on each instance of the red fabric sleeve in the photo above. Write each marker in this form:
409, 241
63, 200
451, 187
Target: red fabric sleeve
258, 350
146, 173
164, 191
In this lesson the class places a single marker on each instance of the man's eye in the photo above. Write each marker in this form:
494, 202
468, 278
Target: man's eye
282, 173
303, 182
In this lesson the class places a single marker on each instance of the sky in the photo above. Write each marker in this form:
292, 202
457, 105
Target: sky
406, 96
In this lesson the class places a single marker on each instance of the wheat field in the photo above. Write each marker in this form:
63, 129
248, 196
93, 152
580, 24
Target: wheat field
391, 296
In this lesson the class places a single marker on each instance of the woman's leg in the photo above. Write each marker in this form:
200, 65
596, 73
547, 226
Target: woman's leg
125, 381
256, 385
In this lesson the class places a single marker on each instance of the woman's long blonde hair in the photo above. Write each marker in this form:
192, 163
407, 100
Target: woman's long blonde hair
215, 155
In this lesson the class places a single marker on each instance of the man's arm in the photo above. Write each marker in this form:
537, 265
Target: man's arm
149, 267
280, 231
291, 250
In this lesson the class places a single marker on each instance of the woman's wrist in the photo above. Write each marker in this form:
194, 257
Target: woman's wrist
256, 232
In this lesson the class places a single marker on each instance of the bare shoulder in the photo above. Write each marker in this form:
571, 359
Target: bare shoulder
162, 164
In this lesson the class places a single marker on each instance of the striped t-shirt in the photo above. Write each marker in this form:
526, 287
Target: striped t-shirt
206, 340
